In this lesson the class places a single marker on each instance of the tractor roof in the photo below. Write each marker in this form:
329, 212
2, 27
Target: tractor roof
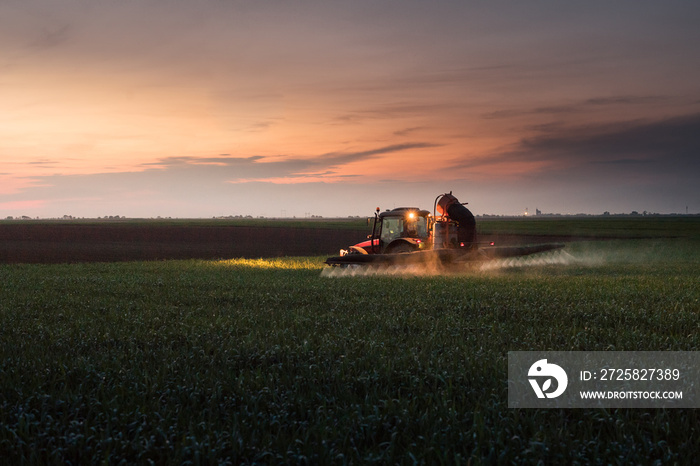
401, 211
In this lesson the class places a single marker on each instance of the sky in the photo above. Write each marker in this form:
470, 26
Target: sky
295, 108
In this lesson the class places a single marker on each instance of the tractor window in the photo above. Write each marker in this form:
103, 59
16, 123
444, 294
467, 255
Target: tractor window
392, 227
417, 227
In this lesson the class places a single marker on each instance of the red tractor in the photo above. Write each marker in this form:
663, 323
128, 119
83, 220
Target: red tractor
409, 234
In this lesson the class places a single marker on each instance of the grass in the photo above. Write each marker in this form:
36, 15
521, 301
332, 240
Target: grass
596, 227
268, 361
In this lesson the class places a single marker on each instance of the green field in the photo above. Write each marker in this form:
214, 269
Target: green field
271, 361
596, 227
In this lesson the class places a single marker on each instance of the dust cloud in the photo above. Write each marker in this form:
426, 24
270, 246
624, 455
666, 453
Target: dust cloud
433, 268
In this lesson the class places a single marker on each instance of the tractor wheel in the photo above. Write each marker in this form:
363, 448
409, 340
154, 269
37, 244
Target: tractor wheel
356, 250
399, 248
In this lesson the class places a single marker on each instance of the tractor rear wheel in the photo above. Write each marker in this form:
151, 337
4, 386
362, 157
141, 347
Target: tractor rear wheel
400, 248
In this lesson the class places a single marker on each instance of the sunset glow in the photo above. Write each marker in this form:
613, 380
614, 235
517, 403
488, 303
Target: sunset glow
191, 109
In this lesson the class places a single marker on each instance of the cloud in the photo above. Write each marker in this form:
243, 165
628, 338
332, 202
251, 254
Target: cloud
338, 158
407, 131
671, 140
648, 149
277, 168
189, 177
222, 160
43, 162
394, 111
52, 36
576, 107
326, 167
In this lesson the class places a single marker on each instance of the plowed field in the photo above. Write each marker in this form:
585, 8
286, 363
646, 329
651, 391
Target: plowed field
65, 243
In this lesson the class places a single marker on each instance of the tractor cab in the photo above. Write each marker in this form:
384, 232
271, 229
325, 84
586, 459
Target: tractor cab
407, 226
404, 229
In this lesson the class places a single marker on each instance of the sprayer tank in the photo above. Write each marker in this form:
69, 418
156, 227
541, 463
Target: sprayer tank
449, 206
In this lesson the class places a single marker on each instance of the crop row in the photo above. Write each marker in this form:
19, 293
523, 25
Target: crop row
269, 361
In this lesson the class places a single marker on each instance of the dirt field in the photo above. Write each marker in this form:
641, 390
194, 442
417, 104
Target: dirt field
65, 242
60, 243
